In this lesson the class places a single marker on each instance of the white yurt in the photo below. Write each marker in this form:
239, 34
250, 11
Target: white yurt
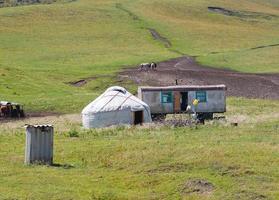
114, 107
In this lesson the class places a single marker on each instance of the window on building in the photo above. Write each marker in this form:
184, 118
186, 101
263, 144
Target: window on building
201, 96
166, 97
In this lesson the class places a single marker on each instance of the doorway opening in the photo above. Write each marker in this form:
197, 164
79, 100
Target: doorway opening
184, 101
138, 117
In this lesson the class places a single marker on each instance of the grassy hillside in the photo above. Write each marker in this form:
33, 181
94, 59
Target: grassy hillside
43, 47
151, 162
194, 30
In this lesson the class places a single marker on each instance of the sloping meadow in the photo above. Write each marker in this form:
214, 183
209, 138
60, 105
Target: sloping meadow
240, 35
45, 47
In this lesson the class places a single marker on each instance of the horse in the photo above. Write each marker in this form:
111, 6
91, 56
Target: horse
153, 66
147, 66
3, 111
144, 66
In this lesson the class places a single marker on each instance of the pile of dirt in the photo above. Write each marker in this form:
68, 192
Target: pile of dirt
78, 83
221, 10
84, 81
156, 36
197, 186
188, 72
242, 14
9, 3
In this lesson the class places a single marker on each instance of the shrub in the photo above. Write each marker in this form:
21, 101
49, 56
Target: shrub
73, 133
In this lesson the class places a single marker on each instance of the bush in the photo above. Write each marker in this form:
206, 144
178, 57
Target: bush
73, 133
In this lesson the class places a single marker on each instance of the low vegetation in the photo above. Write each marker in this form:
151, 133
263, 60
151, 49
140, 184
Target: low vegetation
57, 57
215, 161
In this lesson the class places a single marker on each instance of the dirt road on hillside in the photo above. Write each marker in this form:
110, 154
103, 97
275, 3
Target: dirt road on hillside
188, 72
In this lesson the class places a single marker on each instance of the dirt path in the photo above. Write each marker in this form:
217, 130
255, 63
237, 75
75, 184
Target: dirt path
187, 71
61, 122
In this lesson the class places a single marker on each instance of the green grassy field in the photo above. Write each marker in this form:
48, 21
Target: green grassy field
43, 47
151, 162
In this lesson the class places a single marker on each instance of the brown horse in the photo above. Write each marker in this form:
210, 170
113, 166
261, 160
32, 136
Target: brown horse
3, 111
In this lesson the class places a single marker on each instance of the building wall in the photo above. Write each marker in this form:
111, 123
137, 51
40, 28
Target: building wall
216, 101
153, 99
39, 144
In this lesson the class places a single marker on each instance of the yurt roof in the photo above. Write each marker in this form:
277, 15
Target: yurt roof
115, 99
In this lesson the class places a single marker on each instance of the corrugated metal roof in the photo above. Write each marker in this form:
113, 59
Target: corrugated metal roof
184, 88
38, 125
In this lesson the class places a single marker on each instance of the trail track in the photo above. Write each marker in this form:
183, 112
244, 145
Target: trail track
188, 72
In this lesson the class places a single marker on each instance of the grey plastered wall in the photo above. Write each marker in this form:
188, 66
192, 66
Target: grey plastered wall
39, 144
216, 101
153, 99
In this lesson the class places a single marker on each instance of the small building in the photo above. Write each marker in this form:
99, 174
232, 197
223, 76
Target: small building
175, 99
114, 107
39, 144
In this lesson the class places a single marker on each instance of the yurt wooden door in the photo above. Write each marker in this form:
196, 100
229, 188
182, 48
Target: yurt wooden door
138, 117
